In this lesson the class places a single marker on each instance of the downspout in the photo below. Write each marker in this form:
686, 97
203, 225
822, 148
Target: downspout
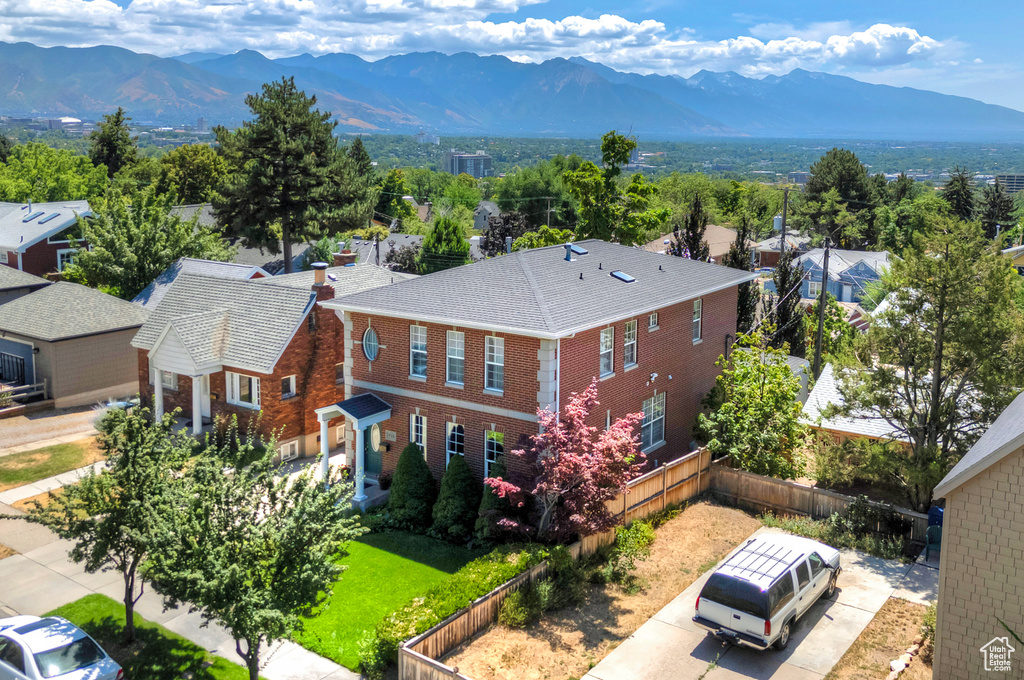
558, 378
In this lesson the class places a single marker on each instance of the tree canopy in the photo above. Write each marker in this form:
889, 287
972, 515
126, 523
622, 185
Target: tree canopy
390, 204
959, 193
740, 256
783, 309
193, 173
996, 214
112, 145
444, 246
35, 172
688, 235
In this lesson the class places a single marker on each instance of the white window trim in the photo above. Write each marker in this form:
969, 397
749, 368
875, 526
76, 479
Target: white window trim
232, 380
421, 439
626, 343
698, 320
170, 380
461, 337
652, 322
291, 392
3, 256
610, 332
488, 461
653, 444
495, 341
64, 251
289, 451
339, 434
415, 329
813, 288
448, 453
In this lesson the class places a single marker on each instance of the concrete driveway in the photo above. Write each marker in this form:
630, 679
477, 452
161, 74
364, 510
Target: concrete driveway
35, 430
670, 647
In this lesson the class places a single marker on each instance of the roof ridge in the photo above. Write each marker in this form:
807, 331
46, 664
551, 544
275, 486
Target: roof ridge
542, 304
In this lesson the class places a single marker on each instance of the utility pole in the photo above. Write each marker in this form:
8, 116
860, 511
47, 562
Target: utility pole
822, 300
376, 248
548, 213
782, 235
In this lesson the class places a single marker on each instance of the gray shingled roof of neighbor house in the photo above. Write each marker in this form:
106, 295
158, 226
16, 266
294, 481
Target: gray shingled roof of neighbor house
242, 323
11, 278
152, 294
537, 292
825, 393
68, 310
17, 232
1002, 438
344, 280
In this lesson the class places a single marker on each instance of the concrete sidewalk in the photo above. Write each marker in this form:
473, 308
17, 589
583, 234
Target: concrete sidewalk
41, 486
42, 577
53, 441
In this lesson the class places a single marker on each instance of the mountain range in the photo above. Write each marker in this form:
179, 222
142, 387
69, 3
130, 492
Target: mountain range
465, 94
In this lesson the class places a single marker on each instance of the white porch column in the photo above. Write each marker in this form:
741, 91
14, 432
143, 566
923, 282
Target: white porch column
197, 405
324, 448
360, 464
158, 395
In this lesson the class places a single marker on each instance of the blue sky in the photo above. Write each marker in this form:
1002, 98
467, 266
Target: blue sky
969, 49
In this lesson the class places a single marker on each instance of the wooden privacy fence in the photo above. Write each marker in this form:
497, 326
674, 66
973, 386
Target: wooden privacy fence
674, 482
790, 498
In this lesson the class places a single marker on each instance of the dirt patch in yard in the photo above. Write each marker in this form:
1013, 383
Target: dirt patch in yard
27, 504
569, 642
888, 635
6, 552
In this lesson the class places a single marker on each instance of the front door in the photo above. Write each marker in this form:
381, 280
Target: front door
373, 460
204, 397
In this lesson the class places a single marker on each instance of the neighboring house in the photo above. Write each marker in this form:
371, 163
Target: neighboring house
769, 250
849, 271
216, 346
869, 425
423, 211
980, 559
14, 284
152, 294
75, 338
484, 211
459, 361
801, 369
719, 240
40, 238
368, 248
1016, 255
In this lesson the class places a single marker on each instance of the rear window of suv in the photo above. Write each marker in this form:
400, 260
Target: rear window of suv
79, 654
736, 594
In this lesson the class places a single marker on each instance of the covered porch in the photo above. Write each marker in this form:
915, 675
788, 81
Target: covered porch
363, 413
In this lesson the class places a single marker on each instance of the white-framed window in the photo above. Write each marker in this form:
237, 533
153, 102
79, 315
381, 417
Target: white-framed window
243, 390
3, 256
813, 288
494, 449
288, 387
456, 353
455, 441
418, 431
339, 373
629, 344
65, 256
652, 321
339, 433
607, 351
652, 430
494, 363
170, 380
289, 451
418, 351
698, 309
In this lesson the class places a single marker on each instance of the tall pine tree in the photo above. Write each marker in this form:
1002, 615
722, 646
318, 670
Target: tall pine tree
959, 193
361, 159
996, 209
112, 144
783, 309
740, 256
688, 237
444, 247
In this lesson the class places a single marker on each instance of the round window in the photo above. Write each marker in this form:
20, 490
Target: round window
370, 344
375, 437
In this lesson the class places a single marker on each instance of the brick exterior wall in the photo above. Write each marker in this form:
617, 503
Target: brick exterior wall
980, 571
41, 259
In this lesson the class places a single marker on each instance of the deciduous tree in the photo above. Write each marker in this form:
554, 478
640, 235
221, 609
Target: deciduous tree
193, 172
544, 236
838, 333
112, 145
444, 247
390, 204
575, 468
35, 172
6, 146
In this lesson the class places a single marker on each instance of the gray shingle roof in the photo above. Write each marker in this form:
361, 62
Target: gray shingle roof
536, 292
344, 280
841, 260
825, 393
51, 218
11, 278
1005, 436
68, 310
152, 294
363, 406
241, 323
204, 210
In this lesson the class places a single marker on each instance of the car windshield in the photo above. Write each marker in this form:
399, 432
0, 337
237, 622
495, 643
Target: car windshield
736, 594
79, 654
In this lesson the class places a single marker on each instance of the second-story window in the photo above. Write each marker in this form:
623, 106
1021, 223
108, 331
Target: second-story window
607, 351
698, 308
629, 344
652, 321
494, 360
418, 351
288, 387
456, 357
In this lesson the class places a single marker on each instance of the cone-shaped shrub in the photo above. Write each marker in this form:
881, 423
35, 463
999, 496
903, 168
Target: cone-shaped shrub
492, 508
412, 490
457, 504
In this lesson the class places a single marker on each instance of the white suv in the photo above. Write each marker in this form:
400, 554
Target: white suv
32, 648
756, 596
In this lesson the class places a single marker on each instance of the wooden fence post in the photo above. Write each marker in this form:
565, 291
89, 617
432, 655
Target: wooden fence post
664, 486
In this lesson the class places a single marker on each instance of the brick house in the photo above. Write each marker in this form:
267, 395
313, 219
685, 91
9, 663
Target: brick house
980, 580
219, 347
39, 238
460, 361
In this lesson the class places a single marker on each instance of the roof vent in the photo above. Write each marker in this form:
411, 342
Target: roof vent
49, 217
622, 276
568, 252
32, 216
578, 250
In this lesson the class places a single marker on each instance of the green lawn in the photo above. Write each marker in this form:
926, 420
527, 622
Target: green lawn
158, 654
385, 571
18, 469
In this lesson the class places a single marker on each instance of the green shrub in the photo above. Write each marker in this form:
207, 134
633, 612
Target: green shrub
567, 584
521, 608
835, 531
456, 509
477, 578
632, 544
492, 508
835, 465
928, 624
412, 491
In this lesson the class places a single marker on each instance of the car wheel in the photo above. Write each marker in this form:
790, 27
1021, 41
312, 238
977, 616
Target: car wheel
831, 587
783, 640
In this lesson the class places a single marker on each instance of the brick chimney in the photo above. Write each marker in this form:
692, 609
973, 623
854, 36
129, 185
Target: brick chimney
320, 287
344, 257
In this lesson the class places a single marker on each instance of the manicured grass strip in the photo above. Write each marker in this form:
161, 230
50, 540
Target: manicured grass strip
157, 654
18, 469
385, 571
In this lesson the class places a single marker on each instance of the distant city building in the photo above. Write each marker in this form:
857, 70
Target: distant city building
427, 138
476, 165
201, 124
61, 123
1012, 183
799, 177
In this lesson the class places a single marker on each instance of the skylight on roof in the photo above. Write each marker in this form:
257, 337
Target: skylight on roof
32, 216
623, 276
578, 250
49, 217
